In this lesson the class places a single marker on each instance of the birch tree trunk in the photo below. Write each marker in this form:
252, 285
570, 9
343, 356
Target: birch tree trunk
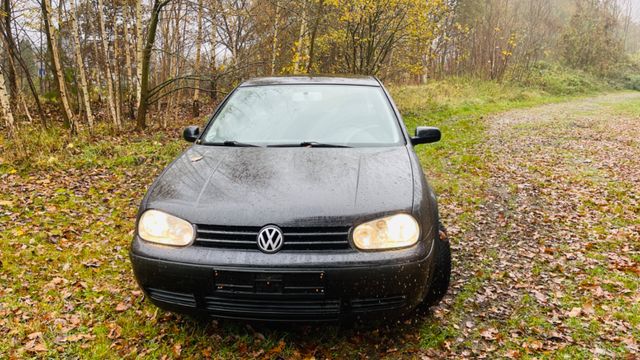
107, 66
139, 51
303, 29
57, 66
80, 64
274, 41
117, 86
97, 74
196, 92
127, 57
5, 106
15, 55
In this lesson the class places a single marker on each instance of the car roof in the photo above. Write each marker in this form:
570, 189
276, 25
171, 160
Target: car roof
313, 80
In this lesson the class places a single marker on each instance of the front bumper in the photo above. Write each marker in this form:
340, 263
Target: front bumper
257, 286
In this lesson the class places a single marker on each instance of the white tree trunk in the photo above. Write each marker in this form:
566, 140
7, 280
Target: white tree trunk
80, 64
127, 57
139, 51
97, 75
107, 62
274, 42
196, 92
5, 106
116, 73
303, 29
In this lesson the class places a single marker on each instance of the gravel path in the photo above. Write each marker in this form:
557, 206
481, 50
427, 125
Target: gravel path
556, 244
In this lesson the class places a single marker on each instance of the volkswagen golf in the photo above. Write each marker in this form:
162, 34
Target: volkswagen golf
301, 199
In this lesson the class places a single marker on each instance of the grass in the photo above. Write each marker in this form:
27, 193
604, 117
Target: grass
66, 216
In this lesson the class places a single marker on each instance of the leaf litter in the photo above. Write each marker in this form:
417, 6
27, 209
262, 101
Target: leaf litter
546, 262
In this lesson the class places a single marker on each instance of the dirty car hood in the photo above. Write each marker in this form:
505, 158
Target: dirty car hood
284, 186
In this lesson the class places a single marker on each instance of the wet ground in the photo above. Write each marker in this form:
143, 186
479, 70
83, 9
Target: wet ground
546, 246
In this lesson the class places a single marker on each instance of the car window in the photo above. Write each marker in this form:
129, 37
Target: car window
283, 114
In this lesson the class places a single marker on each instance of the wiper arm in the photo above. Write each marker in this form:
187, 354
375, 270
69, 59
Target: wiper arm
231, 143
310, 144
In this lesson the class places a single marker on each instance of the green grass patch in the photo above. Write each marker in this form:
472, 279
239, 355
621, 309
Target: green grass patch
72, 209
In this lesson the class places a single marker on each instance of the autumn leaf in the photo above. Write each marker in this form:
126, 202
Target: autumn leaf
489, 333
177, 349
276, 349
576, 311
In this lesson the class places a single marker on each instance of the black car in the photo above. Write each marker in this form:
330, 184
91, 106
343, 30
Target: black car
301, 199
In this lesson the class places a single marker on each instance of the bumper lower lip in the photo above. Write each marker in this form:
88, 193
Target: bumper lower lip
313, 293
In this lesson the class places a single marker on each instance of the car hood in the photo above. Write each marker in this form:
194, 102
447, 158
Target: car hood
285, 186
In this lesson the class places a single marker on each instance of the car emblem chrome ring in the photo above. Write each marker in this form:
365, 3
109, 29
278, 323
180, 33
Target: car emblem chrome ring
270, 239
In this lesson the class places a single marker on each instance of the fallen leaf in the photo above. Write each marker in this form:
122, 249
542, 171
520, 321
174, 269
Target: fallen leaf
122, 307
177, 349
575, 312
489, 334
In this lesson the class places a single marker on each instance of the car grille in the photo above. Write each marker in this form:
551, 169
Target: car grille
274, 295
171, 297
295, 238
266, 308
377, 304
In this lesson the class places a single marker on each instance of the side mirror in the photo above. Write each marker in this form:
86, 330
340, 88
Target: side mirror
191, 133
426, 135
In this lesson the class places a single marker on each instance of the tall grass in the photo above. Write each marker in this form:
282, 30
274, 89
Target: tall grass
436, 103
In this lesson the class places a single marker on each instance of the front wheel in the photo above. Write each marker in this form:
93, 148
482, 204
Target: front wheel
442, 269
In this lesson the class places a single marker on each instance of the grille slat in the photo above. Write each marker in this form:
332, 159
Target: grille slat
224, 241
317, 234
172, 297
283, 308
316, 242
295, 238
377, 304
222, 232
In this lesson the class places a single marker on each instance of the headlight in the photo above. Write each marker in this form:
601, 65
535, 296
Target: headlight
390, 232
161, 228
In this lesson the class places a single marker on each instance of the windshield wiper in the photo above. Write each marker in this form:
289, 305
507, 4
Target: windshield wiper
310, 144
231, 143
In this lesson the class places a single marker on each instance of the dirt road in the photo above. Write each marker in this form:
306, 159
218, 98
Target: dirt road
554, 250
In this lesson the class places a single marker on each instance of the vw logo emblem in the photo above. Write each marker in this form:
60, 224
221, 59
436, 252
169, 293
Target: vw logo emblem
270, 239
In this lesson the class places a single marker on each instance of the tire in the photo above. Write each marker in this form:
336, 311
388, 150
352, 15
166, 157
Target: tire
441, 271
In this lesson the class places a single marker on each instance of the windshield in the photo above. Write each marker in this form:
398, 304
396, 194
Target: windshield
306, 114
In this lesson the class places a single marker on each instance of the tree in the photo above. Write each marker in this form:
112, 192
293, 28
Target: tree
11, 70
146, 59
58, 72
86, 99
594, 23
235, 27
274, 40
14, 53
127, 56
107, 67
299, 55
139, 52
196, 67
5, 106
370, 30
314, 33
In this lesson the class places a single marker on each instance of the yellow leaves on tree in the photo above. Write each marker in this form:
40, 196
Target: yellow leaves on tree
366, 32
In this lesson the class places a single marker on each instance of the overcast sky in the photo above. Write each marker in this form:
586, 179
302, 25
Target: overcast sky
635, 5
